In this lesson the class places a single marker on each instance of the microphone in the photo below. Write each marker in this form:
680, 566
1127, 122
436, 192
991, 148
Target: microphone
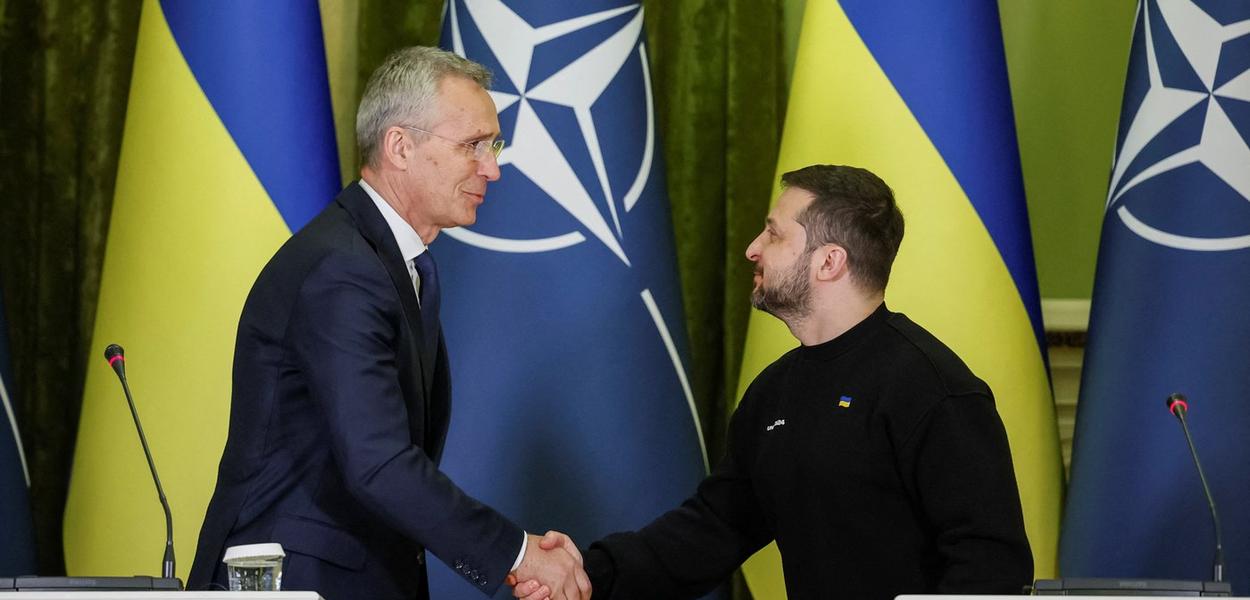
117, 359
1178, 406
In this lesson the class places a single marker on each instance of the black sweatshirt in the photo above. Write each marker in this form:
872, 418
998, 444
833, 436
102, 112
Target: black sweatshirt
876, 461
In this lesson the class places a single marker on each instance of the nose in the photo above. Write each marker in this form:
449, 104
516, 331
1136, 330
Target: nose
488, 167
753, 249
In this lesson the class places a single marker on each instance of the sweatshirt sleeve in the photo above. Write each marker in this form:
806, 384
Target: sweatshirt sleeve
688, 551
959, 463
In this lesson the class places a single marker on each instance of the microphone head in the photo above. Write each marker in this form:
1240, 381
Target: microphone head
1177, 404
117, 358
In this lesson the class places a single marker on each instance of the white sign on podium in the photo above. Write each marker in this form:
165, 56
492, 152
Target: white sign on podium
133, 594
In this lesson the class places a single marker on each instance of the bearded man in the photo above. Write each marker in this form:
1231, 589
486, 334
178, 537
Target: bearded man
870, 453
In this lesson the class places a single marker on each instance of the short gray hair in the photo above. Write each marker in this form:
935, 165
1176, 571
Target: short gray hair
403, 89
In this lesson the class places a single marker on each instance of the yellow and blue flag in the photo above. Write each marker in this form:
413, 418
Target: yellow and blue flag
918, 93
1169, 311
17, 544
573, 408
228, 147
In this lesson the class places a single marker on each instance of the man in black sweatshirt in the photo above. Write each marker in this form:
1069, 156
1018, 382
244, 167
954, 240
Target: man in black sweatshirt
870, 453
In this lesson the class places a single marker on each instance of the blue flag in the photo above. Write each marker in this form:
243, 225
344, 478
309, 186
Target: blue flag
1170, 311
562, 310
17, 542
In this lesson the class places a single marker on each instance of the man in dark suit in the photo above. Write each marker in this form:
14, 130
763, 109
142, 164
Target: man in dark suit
342, 392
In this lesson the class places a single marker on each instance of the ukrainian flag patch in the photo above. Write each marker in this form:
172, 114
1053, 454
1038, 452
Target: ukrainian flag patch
844, 402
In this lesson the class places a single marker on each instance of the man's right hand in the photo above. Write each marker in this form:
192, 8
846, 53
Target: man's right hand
552, 562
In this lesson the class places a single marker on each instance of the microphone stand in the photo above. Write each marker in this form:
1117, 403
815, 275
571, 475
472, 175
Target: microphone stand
1179, 407
167, 564
139, 583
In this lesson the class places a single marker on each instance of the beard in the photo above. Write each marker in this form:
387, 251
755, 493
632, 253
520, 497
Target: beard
790, 298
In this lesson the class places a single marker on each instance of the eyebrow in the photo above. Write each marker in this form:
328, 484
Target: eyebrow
483, 135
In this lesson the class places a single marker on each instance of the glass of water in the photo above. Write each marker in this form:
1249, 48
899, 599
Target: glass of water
254, 567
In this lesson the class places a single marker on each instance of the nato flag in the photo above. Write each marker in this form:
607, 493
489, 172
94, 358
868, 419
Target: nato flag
1170, 311
17, 543
561, 305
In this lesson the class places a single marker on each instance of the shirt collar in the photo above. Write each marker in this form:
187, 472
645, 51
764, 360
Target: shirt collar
848, 339
410, 244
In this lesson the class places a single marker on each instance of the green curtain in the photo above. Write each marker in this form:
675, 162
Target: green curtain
64, 76
719, 85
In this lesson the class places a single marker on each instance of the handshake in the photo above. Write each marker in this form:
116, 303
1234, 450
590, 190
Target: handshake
551, 569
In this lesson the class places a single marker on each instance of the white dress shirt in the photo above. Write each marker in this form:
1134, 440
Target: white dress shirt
410, 247
410, 244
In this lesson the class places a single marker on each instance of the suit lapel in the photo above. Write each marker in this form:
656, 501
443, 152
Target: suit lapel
373, 227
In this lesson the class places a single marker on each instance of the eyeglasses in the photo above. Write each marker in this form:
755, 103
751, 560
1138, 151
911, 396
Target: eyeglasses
479, 148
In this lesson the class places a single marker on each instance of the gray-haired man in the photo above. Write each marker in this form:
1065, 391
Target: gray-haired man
342, 389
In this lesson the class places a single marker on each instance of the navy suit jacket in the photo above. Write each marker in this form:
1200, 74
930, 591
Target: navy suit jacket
338, 416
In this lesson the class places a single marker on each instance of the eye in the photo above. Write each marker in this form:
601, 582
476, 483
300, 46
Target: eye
482, 148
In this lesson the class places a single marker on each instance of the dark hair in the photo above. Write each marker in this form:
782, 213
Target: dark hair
854, 209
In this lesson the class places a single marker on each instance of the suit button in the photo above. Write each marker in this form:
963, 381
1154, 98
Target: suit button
421, 557
459, 565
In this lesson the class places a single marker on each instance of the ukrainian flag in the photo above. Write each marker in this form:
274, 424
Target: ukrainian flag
228, 148
918, 93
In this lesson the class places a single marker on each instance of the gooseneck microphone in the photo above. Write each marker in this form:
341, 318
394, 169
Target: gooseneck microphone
1178, 406
117, 359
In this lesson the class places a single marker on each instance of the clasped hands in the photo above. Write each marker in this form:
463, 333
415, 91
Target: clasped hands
551, 568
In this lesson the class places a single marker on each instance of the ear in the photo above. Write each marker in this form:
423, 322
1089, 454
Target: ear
396, 148
832, 263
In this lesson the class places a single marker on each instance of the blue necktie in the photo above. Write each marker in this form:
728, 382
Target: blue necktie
429, 296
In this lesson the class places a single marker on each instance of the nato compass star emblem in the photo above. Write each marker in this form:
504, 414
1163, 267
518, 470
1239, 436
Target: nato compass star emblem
574, 101
531, 100
1194, 113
